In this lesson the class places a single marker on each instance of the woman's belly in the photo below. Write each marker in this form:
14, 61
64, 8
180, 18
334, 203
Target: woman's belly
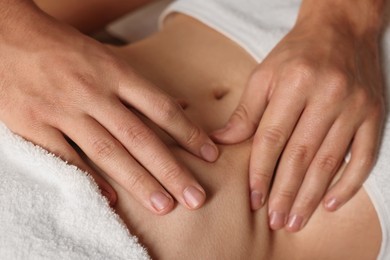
224, 228
207, 73
208, 83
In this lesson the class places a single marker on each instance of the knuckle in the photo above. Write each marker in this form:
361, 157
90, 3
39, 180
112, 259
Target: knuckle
307, 202
327, 163
298, 154
136, 135
260, 75
242, 114
168, 110
37, 109
118, 68
285, 194
135, 181
337, 86
362, 98
111, 61
303, 66
273, 136
338, 78
367, 161
298, 74
335, 93
171, 173
303, 70
32, 112
86, 86
103, 148
261, 176
193, 136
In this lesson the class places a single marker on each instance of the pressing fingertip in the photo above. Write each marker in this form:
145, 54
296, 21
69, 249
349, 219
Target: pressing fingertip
277, 220
332, 204
161, 202
194, 197
209, 152
257, 200
220, 132
295, 223
233, 133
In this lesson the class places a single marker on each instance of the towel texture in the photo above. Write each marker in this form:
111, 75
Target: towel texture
52, 210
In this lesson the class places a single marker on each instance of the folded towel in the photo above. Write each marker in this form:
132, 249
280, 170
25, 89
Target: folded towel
52, 210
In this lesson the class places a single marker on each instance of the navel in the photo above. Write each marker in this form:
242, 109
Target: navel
220, 93
183, 103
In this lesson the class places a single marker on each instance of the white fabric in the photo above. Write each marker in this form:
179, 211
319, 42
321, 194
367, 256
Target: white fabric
51, 210
139, 24
257, 26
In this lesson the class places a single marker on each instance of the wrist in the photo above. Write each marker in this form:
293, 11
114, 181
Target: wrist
27, 27
20, 19
360, 18
13, 12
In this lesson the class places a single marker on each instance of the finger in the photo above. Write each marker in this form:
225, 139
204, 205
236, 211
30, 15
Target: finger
321, 171
246, 117
169, 115
363, 156
110, 156
53, 140
304, 142
145, 146
274, 130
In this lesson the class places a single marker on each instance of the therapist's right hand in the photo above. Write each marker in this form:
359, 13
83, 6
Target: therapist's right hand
56, 83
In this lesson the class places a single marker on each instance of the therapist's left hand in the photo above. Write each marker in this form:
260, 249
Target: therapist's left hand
318, 92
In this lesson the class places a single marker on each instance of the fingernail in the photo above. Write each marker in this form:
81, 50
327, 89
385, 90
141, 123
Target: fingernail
193, 197
332, 204
295, 222
209, 152
277, 220
107, 195
160, 201
257, 200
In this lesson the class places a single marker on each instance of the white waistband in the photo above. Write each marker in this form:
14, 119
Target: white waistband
257, 26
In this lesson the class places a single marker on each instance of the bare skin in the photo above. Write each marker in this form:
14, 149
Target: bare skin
321, 85
88, 16
67, 86
299, 187
226, 227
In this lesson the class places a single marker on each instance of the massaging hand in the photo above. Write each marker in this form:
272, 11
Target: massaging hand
56, 84
318, 92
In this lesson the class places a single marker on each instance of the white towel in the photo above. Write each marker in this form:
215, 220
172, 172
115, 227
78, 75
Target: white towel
52, 210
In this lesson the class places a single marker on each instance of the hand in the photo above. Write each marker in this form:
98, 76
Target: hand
57, 84
318, 92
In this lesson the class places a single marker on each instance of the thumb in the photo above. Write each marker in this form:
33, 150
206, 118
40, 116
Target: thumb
246, 117
240, 127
